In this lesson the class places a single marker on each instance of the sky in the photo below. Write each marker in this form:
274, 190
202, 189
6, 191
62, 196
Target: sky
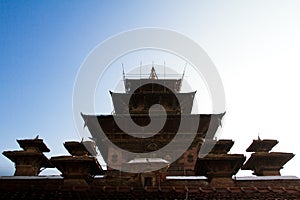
253, 44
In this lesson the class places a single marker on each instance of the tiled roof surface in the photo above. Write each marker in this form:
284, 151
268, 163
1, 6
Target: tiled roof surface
154, 193
52, 188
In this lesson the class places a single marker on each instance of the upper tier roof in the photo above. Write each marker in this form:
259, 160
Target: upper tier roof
146, 84
141, 94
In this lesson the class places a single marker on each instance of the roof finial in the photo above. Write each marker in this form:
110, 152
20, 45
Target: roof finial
183, 71
153, 74
180, 81
140, 69
123, 72
164, 69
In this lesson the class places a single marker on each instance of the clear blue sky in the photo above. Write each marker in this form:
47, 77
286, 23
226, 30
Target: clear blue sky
254, 44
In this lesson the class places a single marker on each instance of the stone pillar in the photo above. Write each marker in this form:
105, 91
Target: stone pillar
263, 162
218, 166
30, 160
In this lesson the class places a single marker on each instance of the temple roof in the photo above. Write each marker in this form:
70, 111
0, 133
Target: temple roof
132, 84
45, 188
76, 148
140, 103
261, 145
33, 144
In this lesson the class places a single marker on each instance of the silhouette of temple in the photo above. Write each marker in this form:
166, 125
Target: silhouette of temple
190, 176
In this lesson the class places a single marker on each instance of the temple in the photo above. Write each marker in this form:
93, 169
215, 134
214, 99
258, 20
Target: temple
31, 160
194, 174
135, 104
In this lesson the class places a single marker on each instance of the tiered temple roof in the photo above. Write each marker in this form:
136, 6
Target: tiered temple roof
30, 160
134, 105
263, 162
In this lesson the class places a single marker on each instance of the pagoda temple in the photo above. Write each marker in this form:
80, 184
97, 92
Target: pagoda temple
136, 168
135, 105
